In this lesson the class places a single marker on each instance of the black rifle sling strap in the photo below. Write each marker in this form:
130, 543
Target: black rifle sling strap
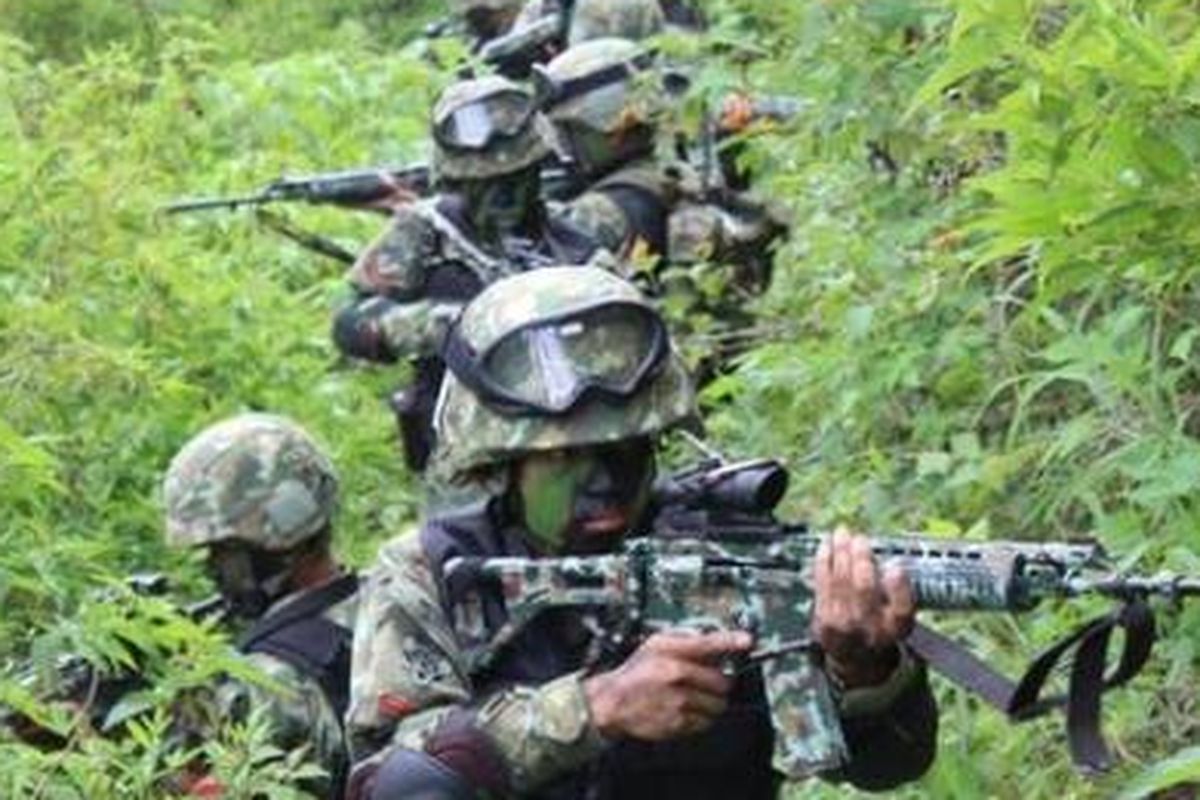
317, 647
1023, 700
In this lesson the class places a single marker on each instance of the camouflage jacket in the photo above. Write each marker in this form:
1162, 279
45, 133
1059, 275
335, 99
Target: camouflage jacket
416, 275
301, 714
663, 210
410, 683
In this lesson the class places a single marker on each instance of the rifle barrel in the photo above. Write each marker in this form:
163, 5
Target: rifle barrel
208, 203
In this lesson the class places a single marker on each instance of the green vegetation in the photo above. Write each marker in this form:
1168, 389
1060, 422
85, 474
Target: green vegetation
985, 323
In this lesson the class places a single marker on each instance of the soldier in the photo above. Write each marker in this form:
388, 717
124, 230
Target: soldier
605, 100
259, 495
562, 381
486, 221
627, 19
545, 28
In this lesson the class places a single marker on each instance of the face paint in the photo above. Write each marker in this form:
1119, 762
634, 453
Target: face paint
583, 500
501, 205
249, 580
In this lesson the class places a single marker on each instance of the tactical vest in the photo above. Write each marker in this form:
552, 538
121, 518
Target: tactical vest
646, 194
681, 221
318, 648
730, 760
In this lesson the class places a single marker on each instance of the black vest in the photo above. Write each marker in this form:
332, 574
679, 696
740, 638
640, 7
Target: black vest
730, 760
316, 647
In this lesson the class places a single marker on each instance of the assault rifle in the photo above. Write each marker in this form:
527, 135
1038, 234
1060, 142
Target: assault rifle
718, 562
78, 682
348, 188
357, 187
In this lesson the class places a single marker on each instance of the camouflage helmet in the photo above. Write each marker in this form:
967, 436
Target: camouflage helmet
460, 7
628, 19
568, 94
473, 433
484, 128
256, 478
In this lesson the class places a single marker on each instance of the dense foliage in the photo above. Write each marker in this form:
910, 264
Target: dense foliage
984, 324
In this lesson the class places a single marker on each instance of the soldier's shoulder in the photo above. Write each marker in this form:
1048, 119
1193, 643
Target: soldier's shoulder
660, 176
598, 216
402, 573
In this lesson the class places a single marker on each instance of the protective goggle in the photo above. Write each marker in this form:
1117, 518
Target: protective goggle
550, 366
476, 125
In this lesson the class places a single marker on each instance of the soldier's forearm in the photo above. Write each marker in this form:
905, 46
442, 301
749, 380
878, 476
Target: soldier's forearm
535, 733
376, 328
541, 731
890, 730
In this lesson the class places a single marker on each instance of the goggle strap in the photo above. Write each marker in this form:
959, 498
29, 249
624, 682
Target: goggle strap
555, 93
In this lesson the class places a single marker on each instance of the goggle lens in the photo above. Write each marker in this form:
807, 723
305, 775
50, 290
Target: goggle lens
475, 125
546, 368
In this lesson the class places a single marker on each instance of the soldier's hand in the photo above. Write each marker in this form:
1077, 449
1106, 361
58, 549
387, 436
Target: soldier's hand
671, 686
398, 197
861, 615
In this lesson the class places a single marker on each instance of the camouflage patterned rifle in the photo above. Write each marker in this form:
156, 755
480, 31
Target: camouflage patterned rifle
742, 571
352, 188
77, 681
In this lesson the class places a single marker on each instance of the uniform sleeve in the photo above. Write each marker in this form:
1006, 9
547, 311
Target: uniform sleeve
394, 263
297, 709
416, 329
409, 688
890, 729
377, 328
599, 217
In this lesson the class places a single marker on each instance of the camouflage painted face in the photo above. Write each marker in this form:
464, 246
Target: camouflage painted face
484, 128
471, 434
584, 500
255, 478
627, 19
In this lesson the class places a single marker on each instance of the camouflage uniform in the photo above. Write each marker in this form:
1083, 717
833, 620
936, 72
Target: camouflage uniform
634, 197
300, 712
521, 726
413, 279
687, 230
260, 481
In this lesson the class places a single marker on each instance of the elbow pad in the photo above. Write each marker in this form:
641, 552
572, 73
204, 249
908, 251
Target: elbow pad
358, 332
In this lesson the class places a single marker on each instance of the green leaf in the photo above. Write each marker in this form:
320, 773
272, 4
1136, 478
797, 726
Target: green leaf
1181, 768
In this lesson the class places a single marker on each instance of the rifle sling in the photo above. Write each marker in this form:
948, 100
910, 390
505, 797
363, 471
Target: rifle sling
1023, 700
306, 239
